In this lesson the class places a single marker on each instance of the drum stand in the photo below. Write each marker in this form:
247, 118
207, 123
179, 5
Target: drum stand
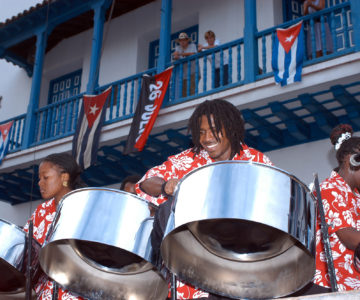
325, 236
173, 287
28, 291
55, 292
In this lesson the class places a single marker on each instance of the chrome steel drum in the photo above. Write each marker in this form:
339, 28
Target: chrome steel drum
99, 246
243, 230
13, 258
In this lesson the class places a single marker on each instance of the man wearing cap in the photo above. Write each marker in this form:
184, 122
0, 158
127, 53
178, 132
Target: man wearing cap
184, 49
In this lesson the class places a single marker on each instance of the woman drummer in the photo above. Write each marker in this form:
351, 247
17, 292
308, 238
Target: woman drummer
341, 201
58, 175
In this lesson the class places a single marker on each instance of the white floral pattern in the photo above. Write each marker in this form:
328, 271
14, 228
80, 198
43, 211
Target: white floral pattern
340, 206
178, 166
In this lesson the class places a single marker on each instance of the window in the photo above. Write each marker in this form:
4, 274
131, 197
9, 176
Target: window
64, 87
192, 32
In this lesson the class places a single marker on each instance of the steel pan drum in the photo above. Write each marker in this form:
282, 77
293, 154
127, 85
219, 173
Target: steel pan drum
13, 258
99, 246
242, 230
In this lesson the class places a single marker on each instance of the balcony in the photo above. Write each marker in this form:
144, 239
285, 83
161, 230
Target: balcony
306, 117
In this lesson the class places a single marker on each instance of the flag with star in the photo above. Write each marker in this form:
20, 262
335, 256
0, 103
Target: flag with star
88, 128
5, 130
288, 54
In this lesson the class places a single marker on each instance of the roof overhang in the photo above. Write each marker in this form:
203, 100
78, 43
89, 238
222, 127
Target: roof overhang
60, 18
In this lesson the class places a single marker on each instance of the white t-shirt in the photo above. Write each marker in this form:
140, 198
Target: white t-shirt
191, 48
217, 55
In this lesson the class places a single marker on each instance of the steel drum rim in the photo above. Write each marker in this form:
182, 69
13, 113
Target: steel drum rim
18, 267
18, 228
221, 293
101, 189
59, 206
109, 208
240, 162
14, 226
245, 163
303, 248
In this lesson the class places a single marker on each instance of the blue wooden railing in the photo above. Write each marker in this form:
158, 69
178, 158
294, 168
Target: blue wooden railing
226, 59
16, 135
124, 96
59, 119
56, 120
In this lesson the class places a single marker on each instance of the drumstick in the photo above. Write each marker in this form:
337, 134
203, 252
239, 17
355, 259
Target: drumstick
325, 235
28, 292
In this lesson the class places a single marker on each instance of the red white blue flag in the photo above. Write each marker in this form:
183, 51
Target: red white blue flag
288, 54
5, 130
88, 128
153, 90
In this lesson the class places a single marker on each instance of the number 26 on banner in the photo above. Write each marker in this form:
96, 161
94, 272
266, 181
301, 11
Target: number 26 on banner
155, 90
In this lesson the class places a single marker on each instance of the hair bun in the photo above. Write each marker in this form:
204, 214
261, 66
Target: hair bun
340, 134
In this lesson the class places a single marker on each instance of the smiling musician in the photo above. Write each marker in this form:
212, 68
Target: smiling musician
217, 130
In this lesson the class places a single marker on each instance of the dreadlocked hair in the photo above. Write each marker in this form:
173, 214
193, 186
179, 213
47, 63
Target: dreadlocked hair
225, 117
345, 144
67, 164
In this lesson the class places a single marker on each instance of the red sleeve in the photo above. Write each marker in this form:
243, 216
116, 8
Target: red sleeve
251, 154
161, 171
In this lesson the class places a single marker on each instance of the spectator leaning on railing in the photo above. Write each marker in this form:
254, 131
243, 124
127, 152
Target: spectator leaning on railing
312, 6
212, 42
184, 49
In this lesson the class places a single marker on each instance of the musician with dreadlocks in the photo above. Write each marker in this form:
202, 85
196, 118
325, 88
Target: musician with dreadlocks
217, 130
341, 200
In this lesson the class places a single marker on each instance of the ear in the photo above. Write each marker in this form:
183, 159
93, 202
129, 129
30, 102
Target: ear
347, 160
65, 177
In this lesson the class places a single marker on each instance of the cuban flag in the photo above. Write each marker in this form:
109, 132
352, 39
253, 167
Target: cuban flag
88, 128
288, 54
5, 130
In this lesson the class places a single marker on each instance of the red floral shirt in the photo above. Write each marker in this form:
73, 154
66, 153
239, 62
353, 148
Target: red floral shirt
342, 208
42, 218
178, 166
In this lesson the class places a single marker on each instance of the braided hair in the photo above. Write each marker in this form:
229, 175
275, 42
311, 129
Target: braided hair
345, 144
225, 117
67, 164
